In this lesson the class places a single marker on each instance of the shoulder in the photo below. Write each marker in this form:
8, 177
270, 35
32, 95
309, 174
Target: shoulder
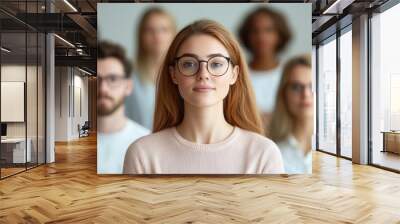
259, 142
137, 128
265, 150
152, 141
288, 144
148, 147
256, 138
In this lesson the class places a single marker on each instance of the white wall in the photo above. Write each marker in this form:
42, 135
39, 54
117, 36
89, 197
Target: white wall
79, 117
69, 82
61, 103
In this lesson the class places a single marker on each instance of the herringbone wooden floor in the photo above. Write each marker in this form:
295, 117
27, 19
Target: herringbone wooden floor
70, 191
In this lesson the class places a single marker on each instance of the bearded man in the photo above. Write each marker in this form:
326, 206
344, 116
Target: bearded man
115, 131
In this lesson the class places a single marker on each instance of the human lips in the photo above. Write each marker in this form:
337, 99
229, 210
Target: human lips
103, 97
306, 104
203, 88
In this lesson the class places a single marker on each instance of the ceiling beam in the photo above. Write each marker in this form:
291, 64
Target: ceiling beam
84, 24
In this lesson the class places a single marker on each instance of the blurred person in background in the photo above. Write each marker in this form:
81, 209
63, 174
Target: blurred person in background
292, 121
265, 34
115, 131
155, 32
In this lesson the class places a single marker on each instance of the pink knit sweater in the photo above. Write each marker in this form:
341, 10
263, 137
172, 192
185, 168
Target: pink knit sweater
167, 152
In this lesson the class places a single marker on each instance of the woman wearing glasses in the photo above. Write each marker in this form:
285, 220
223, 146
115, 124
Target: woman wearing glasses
206, 121
292, 121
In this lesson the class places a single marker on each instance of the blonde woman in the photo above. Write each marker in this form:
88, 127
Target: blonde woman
205, 121
292, 120
155, 32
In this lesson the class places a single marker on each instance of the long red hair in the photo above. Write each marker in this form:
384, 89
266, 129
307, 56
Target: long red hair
239, 105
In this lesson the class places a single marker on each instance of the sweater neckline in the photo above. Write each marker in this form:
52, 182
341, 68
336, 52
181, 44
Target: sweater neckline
205, 147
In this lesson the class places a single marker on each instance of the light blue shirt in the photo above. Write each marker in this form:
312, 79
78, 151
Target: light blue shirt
111, 148
294, 160
139, 106
265, 85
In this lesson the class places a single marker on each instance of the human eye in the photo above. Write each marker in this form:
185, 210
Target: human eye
297, 87
112, 78
188, 64
216, 64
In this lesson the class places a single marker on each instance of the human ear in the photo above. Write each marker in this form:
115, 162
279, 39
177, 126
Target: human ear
235, 74
171, 70
129, 87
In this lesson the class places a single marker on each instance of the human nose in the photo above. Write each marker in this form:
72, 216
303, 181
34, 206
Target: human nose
307, 91
203, 71
102, 85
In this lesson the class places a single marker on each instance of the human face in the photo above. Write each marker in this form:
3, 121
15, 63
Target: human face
112, 87
299, 94
263, 37
203, 89
158, 34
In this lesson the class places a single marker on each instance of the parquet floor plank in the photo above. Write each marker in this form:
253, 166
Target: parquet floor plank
70, 191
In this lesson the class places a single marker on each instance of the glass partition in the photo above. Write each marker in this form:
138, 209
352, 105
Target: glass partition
14, 153
385, 89
23, 89
31, 98
327, 96
346, 93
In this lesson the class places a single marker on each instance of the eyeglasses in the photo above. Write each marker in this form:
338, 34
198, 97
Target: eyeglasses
190, 65
112, 81
298, 87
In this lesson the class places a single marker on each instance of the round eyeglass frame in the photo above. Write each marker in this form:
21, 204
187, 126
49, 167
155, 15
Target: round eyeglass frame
176, 60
